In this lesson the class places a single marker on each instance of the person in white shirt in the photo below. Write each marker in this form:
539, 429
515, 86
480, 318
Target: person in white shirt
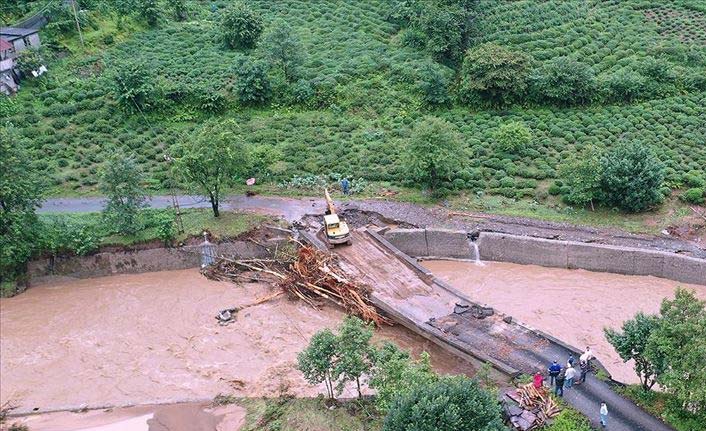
570, 375
604, 414
587, 355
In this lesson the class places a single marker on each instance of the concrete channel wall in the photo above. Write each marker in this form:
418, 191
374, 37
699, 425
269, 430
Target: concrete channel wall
136, 261
524, 250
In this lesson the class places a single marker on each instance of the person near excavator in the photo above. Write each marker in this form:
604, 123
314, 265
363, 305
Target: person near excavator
346, 186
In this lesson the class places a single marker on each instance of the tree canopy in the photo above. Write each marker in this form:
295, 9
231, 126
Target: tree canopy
240, 26
125, 196
212, 159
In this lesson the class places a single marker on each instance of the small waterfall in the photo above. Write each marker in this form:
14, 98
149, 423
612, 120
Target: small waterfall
476, 252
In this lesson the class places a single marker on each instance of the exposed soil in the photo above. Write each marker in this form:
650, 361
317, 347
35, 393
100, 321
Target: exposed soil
572, 305
153, 338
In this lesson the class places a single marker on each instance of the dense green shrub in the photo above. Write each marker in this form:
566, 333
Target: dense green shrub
493, 74
694, 196
631, 178
565, 81
121, 182
582, 178
433, 84
133, 87
625, 86
240, 26
252, 84
452, 403
512, 137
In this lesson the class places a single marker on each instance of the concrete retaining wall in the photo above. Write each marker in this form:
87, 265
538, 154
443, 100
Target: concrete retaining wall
430, 242
136, 261
560, 254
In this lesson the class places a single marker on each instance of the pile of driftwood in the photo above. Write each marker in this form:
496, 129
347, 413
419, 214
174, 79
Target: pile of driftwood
309, 275
536, 407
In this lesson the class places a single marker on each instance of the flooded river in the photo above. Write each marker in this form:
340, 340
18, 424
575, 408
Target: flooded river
572, 305
152, 338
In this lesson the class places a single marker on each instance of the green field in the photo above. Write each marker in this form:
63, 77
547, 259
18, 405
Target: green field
373, 76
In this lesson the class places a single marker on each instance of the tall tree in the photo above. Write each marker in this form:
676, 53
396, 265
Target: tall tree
282, 48
353, 352
680, 339
316, 362
21, 190
121, 182
212, 159
631, 344
433, 154
582, 176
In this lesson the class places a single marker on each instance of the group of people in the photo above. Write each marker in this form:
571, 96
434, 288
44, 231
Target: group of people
566, 377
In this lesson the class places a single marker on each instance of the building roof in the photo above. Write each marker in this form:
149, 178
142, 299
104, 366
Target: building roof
5, 45
13, 33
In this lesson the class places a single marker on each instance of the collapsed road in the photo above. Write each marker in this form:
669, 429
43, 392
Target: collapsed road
415, 215
413, 297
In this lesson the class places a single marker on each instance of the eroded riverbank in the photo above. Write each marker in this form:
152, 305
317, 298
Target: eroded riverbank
152, 338
572, 305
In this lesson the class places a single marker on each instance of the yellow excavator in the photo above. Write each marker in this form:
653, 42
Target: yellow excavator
335, 229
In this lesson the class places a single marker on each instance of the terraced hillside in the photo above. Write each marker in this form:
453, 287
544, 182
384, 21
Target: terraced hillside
369, 76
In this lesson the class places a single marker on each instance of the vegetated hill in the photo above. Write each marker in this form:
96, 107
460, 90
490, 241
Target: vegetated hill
368, 76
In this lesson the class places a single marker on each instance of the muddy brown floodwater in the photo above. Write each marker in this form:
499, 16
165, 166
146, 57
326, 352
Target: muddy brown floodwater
572, 305
152, 338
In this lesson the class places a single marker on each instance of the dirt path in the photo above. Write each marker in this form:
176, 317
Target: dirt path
433, 216
152, 338
572, 305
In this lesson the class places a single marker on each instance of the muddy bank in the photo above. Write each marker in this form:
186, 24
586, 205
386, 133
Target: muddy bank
572, 305
152, 338
170, 417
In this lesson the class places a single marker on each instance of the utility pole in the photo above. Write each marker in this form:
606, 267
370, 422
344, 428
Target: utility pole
78, 24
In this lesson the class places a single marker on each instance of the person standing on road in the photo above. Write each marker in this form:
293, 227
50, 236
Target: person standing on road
570, 362
604, 414
554, 370
584, 370
559, 388
587, 355
570, 375
538, 380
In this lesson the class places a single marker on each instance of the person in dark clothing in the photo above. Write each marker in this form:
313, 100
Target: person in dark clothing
559, 388
346, 186
554, 370
584, 371
571, 360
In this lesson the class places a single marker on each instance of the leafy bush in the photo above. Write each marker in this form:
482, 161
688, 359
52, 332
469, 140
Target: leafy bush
452, 403
252, 83
512, 137
565, 81
694, 196
632, 176
582, 177
494, 75
433, 83
133, 87
569, 420
121, 182
240, 26
625, 86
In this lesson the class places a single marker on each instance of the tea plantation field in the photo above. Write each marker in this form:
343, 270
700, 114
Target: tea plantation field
371, 78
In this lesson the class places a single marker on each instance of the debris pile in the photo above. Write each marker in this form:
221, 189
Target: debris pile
533, 409
309, 275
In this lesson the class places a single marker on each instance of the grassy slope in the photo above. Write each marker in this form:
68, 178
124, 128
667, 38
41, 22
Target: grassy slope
77, 123
196, 221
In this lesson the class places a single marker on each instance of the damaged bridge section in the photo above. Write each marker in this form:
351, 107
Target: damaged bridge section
413, 297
